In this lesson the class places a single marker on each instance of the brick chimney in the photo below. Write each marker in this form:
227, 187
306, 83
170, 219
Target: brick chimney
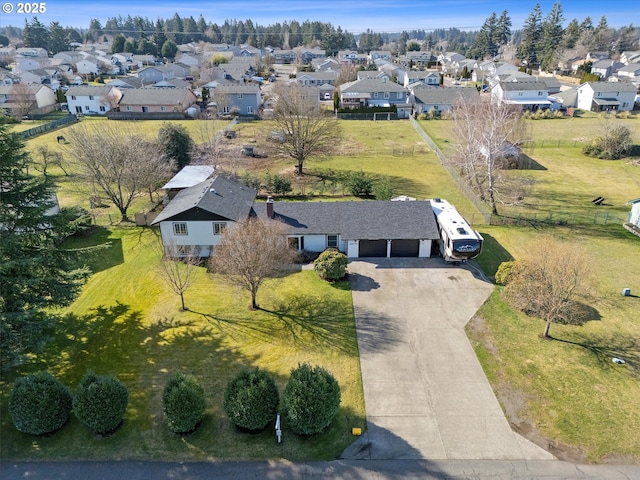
270, 206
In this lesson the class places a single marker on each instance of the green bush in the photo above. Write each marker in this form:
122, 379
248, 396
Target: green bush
311, 399
505, 270
382, 189
360, 184
184, 403
39, 403
251, 399
331, 264
100, 402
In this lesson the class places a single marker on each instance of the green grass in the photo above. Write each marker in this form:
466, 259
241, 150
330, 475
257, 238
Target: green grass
127, 323
573, 392
566, 181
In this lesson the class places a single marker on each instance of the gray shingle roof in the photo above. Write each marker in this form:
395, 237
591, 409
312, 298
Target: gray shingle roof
443, 96
612, 86
365, 220
368, 85
153, 96
217, 197
88, 90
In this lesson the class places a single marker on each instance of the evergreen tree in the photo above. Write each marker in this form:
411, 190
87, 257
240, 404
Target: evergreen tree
159, 37
58, 38
528, 49
169, 50
118, 44
35, 272
551, 38
602, 35
571, 34
35, 34
502, 33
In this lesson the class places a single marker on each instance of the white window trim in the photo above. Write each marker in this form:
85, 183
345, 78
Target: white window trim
219, 228
337, 241
178, 228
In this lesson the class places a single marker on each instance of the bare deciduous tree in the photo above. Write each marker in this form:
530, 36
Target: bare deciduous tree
251, 252
307, 130
123, 166
47, 158
176, 266
488, 133
24, 99
549, 282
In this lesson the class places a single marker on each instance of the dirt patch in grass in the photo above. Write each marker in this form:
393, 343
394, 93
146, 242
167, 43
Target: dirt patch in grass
514, 403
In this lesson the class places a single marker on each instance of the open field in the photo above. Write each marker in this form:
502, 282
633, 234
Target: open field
565, 179
127, 323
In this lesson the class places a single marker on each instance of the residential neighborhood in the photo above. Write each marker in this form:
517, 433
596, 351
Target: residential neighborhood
232, 249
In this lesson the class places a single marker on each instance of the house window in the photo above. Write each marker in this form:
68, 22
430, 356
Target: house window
240, 96
386, 95
145, 109
219, 228
399, 95
250, 109
86, 108
375, 94
129, 108
163, 108
103, 108
180, 228
90, 97
226, 109
297, 243
520, 94
73, 97
332, 241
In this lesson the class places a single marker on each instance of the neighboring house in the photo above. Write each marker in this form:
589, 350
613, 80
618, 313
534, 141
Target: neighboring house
419, 59
70, 57
171, 83
8, 78
283, 56
352, 56
7, 52
189, 176
604, 96
425, 99
308, 55
93, 100
32, 52
151, 75
28, 64
531, 95
88, 66
127, 82
630, 73
375, 55
425, 77
39, 75
553, 84
324, 64
154, 100
199, 215
179, 70
605, 68
244, 99
628, 57
21, 99
315, 79
373, 92
191, 61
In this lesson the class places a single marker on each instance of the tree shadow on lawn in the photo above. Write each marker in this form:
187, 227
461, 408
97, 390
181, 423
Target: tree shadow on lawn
109, 255
605, 349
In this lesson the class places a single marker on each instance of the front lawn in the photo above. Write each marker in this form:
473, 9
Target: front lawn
127, 323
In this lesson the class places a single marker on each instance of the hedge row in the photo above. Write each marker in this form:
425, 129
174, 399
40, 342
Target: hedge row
41, 404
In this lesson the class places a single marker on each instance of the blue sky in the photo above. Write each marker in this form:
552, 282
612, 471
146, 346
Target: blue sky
355, 16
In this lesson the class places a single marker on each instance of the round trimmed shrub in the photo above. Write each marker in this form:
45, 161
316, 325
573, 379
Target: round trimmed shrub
310, 400
505, 270
100, 402
331, 265
184, 403
251, 399
39, 403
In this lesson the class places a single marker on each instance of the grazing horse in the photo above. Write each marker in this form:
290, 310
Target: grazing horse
61, 139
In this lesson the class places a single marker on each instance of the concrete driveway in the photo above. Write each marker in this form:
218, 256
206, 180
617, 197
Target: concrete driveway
426, 395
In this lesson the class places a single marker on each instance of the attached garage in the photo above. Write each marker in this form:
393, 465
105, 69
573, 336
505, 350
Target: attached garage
405, 248
372, 248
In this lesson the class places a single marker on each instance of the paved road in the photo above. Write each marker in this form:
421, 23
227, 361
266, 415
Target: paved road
340, 469
426, 395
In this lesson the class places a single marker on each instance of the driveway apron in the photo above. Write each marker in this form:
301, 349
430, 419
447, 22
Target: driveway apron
426, 395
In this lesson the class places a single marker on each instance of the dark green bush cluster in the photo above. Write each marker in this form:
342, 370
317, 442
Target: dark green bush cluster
100, 402
39, 403
360, 184
311, 399
251, 399
331, 264
184, 403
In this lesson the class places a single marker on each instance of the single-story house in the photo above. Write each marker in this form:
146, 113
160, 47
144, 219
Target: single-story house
149, 100
201, 214
424, 98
